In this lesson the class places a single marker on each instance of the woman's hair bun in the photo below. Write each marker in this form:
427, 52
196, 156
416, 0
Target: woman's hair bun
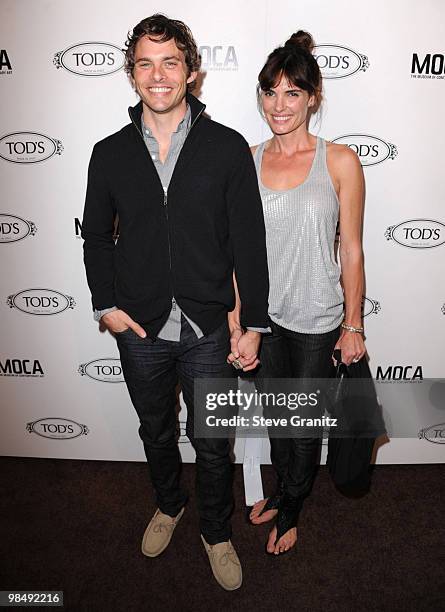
301, 39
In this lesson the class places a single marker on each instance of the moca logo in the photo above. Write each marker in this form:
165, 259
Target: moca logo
218, 57
370, 149
57, 428
5, 62
21, 367
104, 370
13, 228
404, 373
428, 66
78, 228
434, 433
90, 59
28, 147
338, 62
370, 306
417, 233
40, 301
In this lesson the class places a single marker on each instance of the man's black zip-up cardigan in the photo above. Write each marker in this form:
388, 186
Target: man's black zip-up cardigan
184, 246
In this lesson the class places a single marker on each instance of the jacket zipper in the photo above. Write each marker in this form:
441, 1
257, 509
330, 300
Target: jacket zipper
169, 246
165, 204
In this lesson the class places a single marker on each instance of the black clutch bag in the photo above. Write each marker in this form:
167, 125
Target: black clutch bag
353, 401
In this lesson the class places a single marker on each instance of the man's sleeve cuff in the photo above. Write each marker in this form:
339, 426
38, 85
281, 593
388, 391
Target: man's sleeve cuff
261, 330
98, 314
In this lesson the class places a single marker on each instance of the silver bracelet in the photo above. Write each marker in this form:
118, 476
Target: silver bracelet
351, 328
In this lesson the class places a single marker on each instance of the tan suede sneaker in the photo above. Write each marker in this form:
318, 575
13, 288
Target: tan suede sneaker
225, 564
159, 532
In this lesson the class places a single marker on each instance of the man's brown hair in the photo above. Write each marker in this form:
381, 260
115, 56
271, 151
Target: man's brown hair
160, 28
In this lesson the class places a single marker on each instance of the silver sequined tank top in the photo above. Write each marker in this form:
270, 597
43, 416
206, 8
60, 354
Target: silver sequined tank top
305, 292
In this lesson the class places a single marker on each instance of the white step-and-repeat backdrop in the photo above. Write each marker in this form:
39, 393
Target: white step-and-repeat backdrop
63, 89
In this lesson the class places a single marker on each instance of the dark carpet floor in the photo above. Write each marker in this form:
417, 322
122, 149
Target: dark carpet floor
76, 526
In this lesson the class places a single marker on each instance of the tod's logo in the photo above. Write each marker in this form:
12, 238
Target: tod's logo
57, 428
370, 149
40, 301
103, 370
417, 233
370, 306
28, 147
13, 228
434, 433
90, 59
338, 61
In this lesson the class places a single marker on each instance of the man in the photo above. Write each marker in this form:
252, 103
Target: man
185, 190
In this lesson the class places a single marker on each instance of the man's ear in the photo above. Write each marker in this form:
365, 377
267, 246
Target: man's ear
192, 77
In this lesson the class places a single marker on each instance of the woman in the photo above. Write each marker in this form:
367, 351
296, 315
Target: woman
307, 187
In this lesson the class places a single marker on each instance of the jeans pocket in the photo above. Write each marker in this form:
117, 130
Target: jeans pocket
121, 333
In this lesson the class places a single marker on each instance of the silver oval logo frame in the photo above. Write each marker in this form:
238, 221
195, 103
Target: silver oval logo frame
361, 61
390, 149
69, 302
80, 430
31, 158
28, 227
85, 369
60, 58
370, 306
425, 433
391, 233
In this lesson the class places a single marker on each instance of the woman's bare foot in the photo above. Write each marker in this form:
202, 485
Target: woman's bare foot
266, 516
286, 542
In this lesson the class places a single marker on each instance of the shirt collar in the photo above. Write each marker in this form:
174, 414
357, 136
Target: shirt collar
184, 124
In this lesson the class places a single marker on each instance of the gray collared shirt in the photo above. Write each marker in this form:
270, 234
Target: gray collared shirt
172, 327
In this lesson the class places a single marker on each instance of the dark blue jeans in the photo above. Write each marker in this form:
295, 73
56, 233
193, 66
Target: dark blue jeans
152, 369
288, 354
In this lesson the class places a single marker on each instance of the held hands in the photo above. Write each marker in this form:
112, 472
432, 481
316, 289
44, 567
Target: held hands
118, 321
352, 347
244, 347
